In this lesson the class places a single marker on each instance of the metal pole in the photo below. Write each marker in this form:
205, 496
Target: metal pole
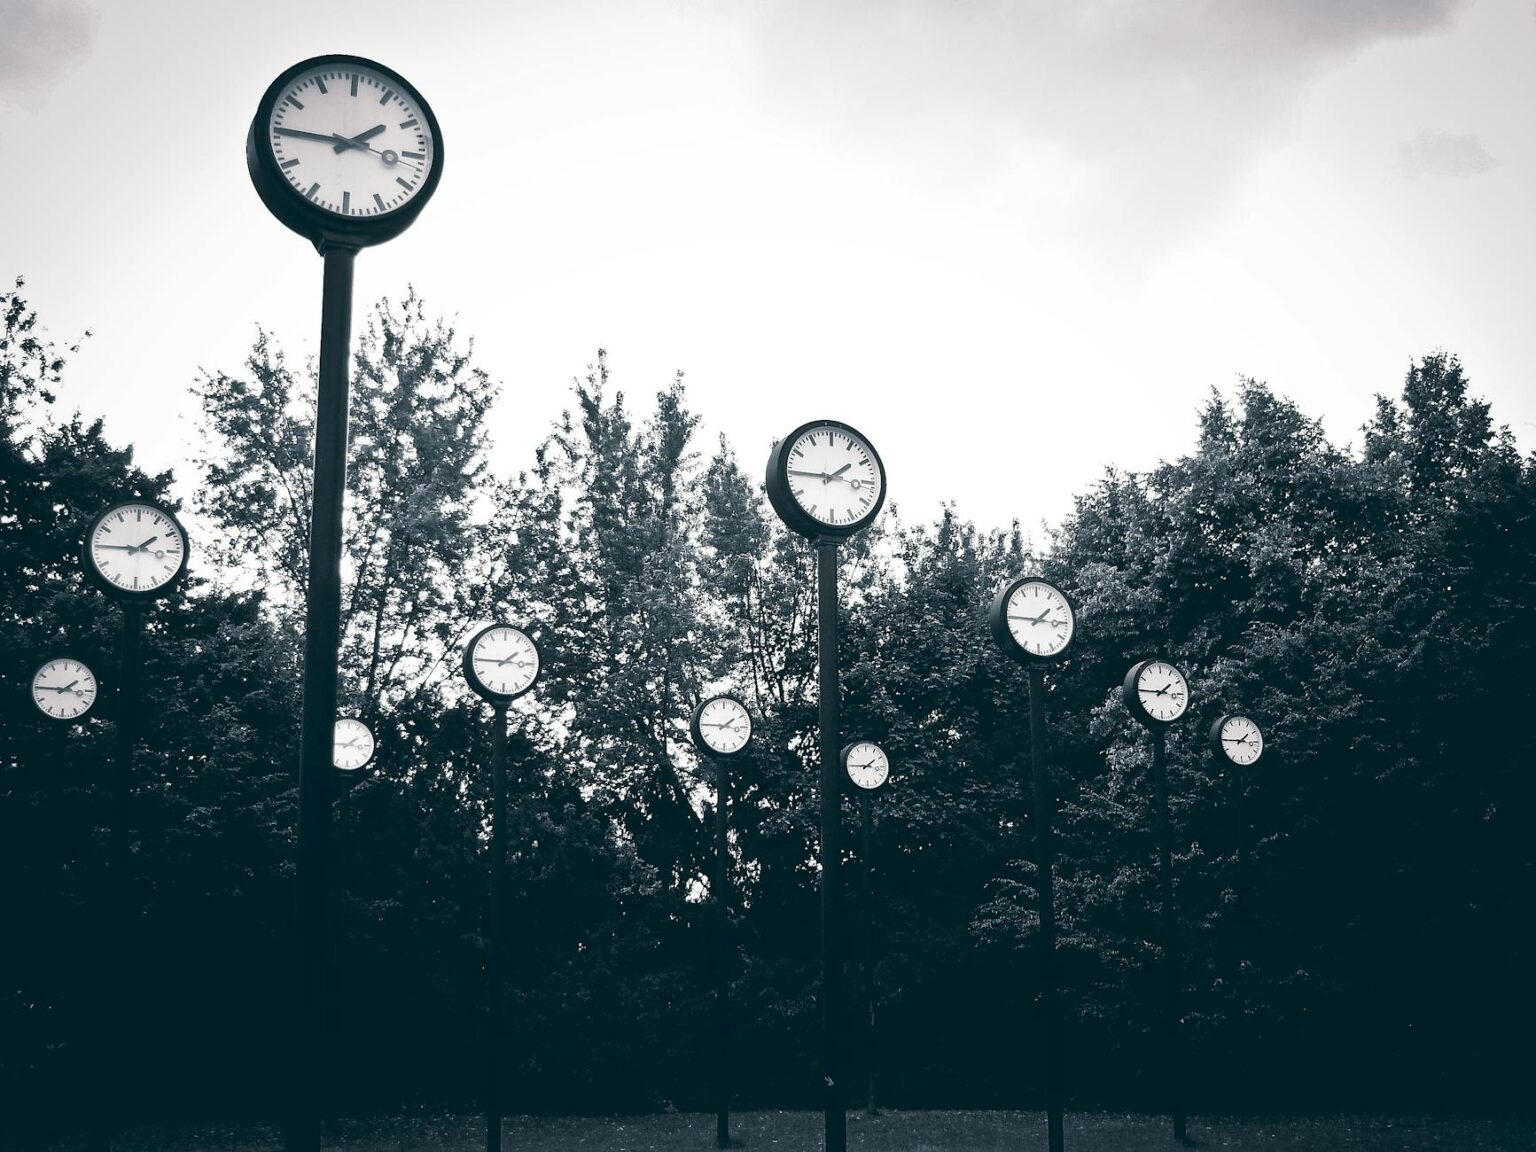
831, 859
1050, 1005
1171, 1025
867, 946
722, 954
322, 635
113, 1070
498, 929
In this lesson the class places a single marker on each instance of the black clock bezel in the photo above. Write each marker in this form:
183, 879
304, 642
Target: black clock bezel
796, 518
352, 773
1221, 749
32, 693
474, 682
95, 576
1133, 701
321, 227
849, 784
696, 734
997, 617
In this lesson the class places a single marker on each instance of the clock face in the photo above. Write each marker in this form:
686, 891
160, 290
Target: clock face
136, 548
1241, 740
353, 744
351, 140
503, 661
834, 476
867, 765
1161, 689
724, 725
1040, 619
64, 689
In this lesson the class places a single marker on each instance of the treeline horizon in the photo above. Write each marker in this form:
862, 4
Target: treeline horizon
1355, 939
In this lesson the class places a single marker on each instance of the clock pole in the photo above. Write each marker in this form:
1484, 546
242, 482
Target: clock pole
867, 942
322, 637
1171, 1023
831, 851
1050, 1004
722, 957
498, 927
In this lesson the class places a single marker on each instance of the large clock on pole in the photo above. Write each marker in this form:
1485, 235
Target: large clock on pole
826, 481
344, 151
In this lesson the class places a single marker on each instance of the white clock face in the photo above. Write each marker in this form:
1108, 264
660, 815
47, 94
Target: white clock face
868, 766
137, 548
353, 744
833, 476
1040, 618
505, 661
350, 141
725, 725
64, 689
1241, 740
1162, 691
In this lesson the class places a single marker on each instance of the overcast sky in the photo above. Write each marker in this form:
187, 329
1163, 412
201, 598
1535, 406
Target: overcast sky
1013, 243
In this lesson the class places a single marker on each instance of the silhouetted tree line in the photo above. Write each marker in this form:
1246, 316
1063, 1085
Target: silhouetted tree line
1359, 938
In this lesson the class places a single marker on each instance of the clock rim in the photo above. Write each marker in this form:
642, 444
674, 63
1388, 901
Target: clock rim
323, 228
848, 781
32, 689
98, 578
481, 690
783, 501
997, 616
1133, 700
373, 741
696, 734
1217, 745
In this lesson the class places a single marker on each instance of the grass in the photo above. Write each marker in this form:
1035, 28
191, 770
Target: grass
892, 1131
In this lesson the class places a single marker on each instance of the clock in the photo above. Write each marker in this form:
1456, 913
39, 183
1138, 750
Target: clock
1032, 620
1156, 692
826, 481
866, 766
721, 726
135, 550
501, 663
344, 151
64, 689
352, 746
1237, 738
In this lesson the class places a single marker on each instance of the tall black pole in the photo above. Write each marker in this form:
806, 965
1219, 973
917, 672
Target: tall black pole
322, 635
722, 955
120, 978
498, 928
867, 946
1050, 1005
831, 852
1173, 1056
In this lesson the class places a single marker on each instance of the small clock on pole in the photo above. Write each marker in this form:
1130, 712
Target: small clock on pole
1237, 739
867, 774
827, 483
1032, 621
721, 729
501, 663
1156, 693
64, 689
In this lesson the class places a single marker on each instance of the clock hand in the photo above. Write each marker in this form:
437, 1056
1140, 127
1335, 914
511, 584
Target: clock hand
822, 476
345, 142
148, 542
841, 470
328, 137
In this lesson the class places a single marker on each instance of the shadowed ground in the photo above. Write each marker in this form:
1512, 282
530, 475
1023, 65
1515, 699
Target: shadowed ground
896, 1131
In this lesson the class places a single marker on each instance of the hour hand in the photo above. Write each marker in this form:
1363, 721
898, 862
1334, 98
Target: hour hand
345, 142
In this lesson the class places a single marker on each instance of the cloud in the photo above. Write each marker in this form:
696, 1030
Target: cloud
40, 42
1121, 119
1442, 154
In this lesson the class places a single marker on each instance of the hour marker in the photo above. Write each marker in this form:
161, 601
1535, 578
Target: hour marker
379, 200
354, 83
388, 92
313, 188
414, 155
346, 202
292, 101
403, 182
288, 163
410, 123
320, 84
